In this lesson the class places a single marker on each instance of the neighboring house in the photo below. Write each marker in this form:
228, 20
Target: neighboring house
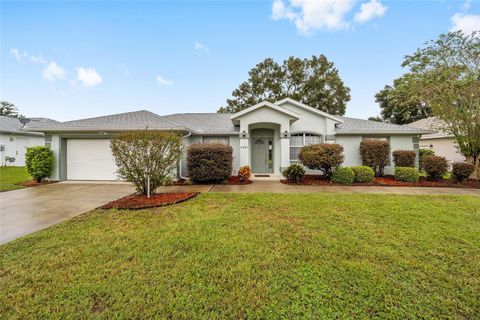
14, 139
441, 143
266, 136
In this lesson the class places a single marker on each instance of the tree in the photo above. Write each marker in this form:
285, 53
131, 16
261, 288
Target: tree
375, 118
144, 156
445, 74
314, 81
8, 109
399, 107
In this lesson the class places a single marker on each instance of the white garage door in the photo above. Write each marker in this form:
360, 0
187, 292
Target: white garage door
90, 159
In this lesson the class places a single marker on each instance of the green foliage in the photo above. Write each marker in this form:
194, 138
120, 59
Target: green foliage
406, 174
10, 176
9, 110
343, 175
294, 173
209, 162
462, 170
363, 174
39, 162
375, 154
313, 81
255, 256
404, 158
434, 166
422, 153
146, 153
400, 107
445, 75
325, 157
375, 118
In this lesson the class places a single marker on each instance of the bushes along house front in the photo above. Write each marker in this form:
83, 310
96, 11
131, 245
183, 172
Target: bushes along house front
209, 162
39, 162
325, 157
375, 154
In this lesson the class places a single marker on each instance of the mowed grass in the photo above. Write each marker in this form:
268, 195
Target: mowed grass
9, 176
265, 256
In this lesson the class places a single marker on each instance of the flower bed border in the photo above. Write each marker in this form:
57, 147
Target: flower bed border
110, 205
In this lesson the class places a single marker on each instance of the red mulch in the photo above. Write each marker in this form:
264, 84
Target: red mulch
318, 180
235, 180
136, 201
34, 183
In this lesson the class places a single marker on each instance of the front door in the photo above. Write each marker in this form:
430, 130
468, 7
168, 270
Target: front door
262, 155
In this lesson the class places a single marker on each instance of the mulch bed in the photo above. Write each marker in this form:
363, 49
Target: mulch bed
389, 181
34, 183
235, 180
136, 201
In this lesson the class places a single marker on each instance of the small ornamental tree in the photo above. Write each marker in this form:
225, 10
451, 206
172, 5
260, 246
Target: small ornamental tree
325, 157
375, 155
39, 162
404, 158
209, 162
144, 154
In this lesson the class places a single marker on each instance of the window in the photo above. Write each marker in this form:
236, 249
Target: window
223, 140
299, 140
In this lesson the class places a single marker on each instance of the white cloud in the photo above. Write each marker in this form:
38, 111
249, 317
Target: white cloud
38, 59
466, 5
163, 81
201, 47
465, 22
53, 71
17, 54
370, 10
89, 77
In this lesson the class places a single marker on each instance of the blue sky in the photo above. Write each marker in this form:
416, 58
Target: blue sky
69, 60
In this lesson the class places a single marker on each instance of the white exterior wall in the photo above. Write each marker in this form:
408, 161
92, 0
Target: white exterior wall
443, 147
15, 147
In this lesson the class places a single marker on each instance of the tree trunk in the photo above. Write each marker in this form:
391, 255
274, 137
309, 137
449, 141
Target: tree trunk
476, 163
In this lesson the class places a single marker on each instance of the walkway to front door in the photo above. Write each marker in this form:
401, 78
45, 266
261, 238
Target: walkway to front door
262, 155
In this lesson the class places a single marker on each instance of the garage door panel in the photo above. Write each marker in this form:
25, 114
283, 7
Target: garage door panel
90, 159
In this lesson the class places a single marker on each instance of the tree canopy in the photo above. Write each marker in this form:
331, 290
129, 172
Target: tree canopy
313, 81
9, 109
445, 74
400, 107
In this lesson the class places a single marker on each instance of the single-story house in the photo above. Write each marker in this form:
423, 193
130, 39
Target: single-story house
442, 143
267, 136
14, 140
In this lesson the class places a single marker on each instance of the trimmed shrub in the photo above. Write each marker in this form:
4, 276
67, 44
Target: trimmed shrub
404, 158
434, 166
422, 153
244, 173
375, 155
294, 173
406, 174
343, 175
462, 170
325, 157
363, 174
39, 162
147, 153
209, 162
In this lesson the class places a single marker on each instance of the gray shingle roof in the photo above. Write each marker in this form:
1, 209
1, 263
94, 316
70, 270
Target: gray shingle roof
136, 120
13, 125
360, 126
205, 123
431, 123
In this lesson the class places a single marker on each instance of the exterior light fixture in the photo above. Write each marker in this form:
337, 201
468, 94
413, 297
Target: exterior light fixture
285, 134
244, 134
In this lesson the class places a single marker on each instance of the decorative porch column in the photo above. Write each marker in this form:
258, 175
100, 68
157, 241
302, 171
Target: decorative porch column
244, 152
284, 150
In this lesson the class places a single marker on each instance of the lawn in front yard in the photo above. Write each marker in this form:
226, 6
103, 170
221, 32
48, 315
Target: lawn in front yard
9, 176
254, 256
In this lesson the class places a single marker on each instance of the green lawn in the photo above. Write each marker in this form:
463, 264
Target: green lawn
254, 256
9, 176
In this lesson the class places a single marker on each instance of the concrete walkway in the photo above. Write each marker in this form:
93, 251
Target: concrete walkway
278, 187
31, 209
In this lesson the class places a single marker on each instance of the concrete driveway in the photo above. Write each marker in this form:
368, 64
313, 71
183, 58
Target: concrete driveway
31, 209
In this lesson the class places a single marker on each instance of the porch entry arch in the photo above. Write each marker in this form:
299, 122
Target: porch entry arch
262, 150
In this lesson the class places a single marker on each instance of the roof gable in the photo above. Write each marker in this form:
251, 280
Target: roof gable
264, 104
304, 106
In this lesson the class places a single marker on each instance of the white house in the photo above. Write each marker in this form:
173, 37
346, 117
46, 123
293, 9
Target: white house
14, 140
266, 136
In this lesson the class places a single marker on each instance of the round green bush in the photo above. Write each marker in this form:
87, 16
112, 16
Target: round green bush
39, 162
294, 173
343, 175
434, 166
406, 174
462, 170
363, 174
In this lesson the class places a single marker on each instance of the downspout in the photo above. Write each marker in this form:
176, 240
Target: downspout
180, 165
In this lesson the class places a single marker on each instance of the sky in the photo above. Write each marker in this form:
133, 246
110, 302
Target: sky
69, 60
